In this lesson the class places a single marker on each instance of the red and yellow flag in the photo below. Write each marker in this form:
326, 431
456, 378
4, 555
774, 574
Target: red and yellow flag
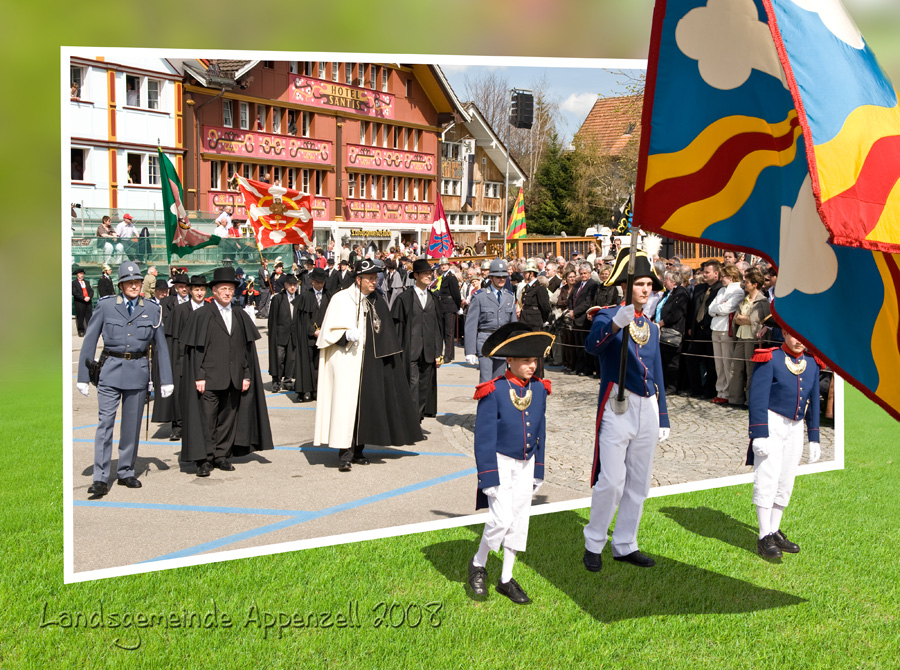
516, 227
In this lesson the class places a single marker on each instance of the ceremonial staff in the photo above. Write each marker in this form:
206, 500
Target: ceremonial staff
620, 402
150, 366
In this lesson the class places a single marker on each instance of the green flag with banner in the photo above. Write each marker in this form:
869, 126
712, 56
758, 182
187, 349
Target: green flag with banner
181, 238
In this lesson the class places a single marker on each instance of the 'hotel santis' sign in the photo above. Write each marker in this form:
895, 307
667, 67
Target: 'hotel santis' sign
243, 143
376, 158
331, 95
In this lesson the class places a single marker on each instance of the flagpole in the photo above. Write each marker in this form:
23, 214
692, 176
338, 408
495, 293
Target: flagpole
506, 181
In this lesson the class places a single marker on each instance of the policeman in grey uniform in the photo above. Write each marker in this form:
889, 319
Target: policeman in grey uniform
129, 325
492, 307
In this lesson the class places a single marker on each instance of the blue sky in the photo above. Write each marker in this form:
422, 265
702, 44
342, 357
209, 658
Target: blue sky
574, 88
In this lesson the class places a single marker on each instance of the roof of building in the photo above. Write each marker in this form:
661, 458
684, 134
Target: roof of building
612, 123
216, 71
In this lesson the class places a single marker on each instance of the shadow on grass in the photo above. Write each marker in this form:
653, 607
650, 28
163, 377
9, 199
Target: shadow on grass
714, 524
620, 591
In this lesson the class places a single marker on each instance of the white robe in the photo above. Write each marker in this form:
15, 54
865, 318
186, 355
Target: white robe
340, 369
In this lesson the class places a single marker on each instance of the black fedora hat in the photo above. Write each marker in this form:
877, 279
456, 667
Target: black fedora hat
642, 268
318, 274
517, 340
180, 278
421, 265
197, 280
369, 266
161, 284
290, 279
224, 276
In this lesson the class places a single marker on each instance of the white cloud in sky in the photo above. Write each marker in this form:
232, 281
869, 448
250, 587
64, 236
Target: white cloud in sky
728, 41
579, 103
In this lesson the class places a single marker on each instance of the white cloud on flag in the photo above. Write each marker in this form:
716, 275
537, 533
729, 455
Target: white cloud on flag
728, 41
836, 19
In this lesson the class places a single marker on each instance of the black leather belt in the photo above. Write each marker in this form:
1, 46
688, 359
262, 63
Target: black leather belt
128, 355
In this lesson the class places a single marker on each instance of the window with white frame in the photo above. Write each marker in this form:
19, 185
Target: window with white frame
375, 128
154, 93
293, 67
396, 135
492, 221
451, 151
415, 190
405, 188
305, 122
247, 171
132, 90
385, 131
416, 134
373, 78
79, 164
245, 115
277, 175
348, 73
385, 73
373, 190
425, 186
276, 120
320, 181
307, 68
351, 185
260, 117
395, 186
451, 186
453, 219
492, 189
384, 188
361, 75
335, 71
363, 129
405, 138
231, 182
321, 70
76, 81
215, 175
304, 180
290, 175
134, 164
363, 183
227, 114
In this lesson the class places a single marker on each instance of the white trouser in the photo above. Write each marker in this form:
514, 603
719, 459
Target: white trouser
723, 350
627, 444
511, 509
773, 475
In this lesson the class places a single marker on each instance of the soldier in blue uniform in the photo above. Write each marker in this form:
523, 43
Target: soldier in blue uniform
784, 390
509, 451
129, 325
490, 309
626, 437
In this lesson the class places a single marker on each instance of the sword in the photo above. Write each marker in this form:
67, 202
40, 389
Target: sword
150, 363
619, 404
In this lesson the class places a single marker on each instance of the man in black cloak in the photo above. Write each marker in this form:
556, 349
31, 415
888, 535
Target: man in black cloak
308, 319
282, 335
224, 410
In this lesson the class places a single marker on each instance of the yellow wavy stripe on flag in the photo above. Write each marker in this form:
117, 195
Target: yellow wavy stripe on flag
888, 226
884, 334
840, 160
694, 156
695, 217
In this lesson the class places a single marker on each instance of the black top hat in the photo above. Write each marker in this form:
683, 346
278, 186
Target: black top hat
642, 268
197, 280
75, 271
181, 278
318, 274
517, 340
290, 279
369, 266
224, 276
343, 262
421, 265
330, 261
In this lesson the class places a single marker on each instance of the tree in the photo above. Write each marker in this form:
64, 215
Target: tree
547, 207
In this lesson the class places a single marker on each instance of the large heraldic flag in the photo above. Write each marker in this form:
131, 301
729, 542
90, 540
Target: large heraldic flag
278, 215
181, 237
440, 241
723, 161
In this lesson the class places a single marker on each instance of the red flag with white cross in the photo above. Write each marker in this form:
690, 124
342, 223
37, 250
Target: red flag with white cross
278, 215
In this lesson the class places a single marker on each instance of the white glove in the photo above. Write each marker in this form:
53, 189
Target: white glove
537, 485
352, 335
491, 491
815, 452
472, 359
83, 389
166, 390
624, 316
761, 446
663, 434
150, 387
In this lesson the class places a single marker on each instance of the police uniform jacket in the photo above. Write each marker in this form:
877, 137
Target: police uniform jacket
774, 387
130, 335
486, 314
501, 428
535, 304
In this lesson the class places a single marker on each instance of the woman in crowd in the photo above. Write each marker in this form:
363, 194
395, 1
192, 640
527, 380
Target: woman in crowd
670, 315
722, 310
748, 322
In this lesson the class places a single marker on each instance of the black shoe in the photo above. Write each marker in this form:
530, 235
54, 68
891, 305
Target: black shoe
130, 482
289, 385
175, 435
592, 561
785, 544
345, 466
276, 387
638, 559
307, 396
767, 547
361, 460
477, 579
98, 489
203, 469
513, 591
225, 465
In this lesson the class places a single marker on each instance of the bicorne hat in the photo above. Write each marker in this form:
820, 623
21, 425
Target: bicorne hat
642, 268
517, 340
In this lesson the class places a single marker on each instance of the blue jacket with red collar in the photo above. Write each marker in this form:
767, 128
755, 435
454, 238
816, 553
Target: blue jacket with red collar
774, 387
500, 428
643, 371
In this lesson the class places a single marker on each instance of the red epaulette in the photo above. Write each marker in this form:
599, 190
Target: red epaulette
546, 383
819, 362
763, 355
484, 389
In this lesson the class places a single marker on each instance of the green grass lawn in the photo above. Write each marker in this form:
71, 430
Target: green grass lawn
711, 602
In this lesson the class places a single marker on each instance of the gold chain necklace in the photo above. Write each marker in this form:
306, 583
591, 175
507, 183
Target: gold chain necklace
640, 334
795, 368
